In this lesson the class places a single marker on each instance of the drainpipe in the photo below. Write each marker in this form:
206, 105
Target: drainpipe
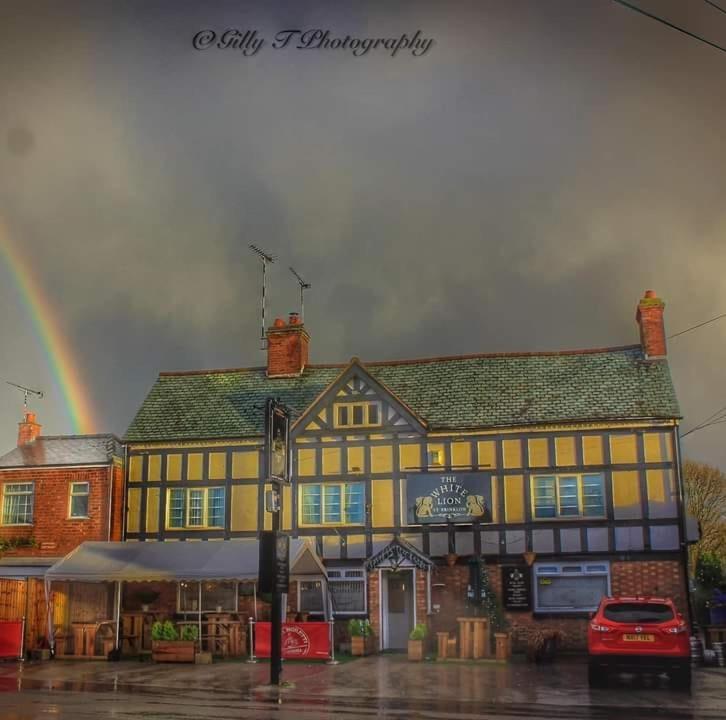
682, 521
123, 497
110, 497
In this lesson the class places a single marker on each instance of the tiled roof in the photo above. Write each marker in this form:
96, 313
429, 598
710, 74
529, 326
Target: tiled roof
459, 393
64, 450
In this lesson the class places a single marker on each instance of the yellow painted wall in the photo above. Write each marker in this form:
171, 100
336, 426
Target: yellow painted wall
136, 468
623, 449
657, 488
244, 507
154, 468
173, 467
461, 454
266, 516
436, 448
539, 453
565, 450
133, 518
495, 499
514, 498
626, 490
512, 452
217, 466
592, 450
382, 503
410, 456
305, 462
194, 466
657, 447
245, 465
487, 450
331, 461
356, 459
286, 507
381, 458
152, 509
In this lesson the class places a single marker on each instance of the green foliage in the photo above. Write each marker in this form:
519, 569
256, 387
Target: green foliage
491, 605
709, 572
164, 631
360, 628
419, 632
13, 543
189, 632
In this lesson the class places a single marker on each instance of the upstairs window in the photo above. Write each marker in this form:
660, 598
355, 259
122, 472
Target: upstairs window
332, 503
568, 496
359, 414
18, 504
195, 508
79, 500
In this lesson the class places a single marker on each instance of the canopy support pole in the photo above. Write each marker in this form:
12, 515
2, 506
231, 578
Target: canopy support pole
199, 608
254, 597
117, 607
49, 617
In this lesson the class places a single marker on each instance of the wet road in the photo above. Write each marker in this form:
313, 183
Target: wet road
382, 686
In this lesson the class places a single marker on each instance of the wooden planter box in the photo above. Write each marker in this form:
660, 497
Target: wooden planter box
503, 643
361, 645
415, 650
173, 650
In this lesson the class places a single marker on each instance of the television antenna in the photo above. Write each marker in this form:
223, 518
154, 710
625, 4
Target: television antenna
26, 391
265, 257
303, 287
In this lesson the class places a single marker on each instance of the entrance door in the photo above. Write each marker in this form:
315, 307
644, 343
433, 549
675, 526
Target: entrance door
399, 608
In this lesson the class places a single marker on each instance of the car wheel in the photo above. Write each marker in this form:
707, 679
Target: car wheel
596, 675
681, 677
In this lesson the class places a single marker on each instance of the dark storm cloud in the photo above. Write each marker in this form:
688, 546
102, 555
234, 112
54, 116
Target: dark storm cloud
516, 188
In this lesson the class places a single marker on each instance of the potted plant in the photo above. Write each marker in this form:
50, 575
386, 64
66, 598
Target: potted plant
167, 645
416, 642
542, 645
146, 598
360, 631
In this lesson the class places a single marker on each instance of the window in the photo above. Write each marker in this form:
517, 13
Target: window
332, 503
79, 500
347, 591
18, 504
634, 612
215, 595
195, 508
358, 414
564, 587
435, 457
567, 496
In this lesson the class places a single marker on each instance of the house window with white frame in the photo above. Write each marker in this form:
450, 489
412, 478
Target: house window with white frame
357, 414
570, 587
310, 596
195, 508
78, 502
347, 591
18, 503
332, 503
568, 496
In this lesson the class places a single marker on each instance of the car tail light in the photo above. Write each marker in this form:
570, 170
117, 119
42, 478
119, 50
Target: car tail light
601, 628
677, 629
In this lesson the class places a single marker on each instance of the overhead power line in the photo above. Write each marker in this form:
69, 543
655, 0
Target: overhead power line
694, 327
635, 8
713, 4
714, 419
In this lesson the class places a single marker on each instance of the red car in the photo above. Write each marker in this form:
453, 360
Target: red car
638, 634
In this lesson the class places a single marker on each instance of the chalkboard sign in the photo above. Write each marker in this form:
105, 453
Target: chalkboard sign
274, 570
516, 584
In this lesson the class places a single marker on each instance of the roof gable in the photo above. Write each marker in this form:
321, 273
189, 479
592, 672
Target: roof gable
54, 450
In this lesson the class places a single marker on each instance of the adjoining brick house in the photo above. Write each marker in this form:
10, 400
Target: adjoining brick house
558, 472
55, 493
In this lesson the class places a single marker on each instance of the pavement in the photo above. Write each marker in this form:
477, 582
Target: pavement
387, 686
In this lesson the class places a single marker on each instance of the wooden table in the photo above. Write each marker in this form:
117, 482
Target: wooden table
136, 631
84, 639
473, 637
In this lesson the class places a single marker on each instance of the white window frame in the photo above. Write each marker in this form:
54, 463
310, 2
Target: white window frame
16, 493
580, 497
72, 493
195, 585
331, 523
312, 578
346, 576
366, 405
568, 569
205, 508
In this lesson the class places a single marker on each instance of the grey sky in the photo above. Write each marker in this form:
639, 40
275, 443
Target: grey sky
515, 188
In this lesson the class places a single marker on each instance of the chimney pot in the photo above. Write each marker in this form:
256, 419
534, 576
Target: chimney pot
279, 323
28, 430
649, 317
294, 318
650, 293
287, 348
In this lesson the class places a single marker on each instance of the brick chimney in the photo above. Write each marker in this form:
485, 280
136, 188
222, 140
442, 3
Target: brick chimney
652, 330
287, 347
28, 430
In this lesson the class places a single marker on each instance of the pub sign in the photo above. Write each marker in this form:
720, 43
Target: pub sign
449, 497
277, 441
516, 587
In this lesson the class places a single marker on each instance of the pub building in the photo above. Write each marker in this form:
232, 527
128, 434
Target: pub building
558, 473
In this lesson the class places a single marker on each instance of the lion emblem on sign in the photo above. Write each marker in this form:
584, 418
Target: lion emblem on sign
424, 506
476, 505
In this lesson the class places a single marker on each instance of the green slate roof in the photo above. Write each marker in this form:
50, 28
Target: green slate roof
461, 393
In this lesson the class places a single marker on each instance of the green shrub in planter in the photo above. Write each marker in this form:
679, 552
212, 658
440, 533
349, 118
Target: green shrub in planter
190, 632
360, 628
164, 631
419, 632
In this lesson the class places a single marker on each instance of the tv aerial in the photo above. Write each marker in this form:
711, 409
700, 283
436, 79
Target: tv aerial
265, 257
26, 391
303, 287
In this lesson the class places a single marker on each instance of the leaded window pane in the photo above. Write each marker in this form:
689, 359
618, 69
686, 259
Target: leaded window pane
18, 504
311, 504
332, 504
354, 503
196, 508
569, 501
176, 508
545, 499
593, 496
215, 507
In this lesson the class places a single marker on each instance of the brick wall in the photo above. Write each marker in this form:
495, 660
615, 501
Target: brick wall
374, 607
54, 532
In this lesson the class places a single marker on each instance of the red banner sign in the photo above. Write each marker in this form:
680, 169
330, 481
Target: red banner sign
11, 638
299, 640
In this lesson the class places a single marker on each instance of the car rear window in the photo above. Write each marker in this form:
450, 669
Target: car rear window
638, 612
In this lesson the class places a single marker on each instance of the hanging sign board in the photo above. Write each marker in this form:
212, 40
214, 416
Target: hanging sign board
277, 441
452, 497
516, 587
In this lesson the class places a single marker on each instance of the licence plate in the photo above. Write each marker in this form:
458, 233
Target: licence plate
639, 638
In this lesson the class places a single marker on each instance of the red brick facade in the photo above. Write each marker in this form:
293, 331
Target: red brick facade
652, 329
53, 531
287, 348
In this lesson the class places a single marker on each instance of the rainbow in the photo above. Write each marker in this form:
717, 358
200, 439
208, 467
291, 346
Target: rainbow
50, 337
